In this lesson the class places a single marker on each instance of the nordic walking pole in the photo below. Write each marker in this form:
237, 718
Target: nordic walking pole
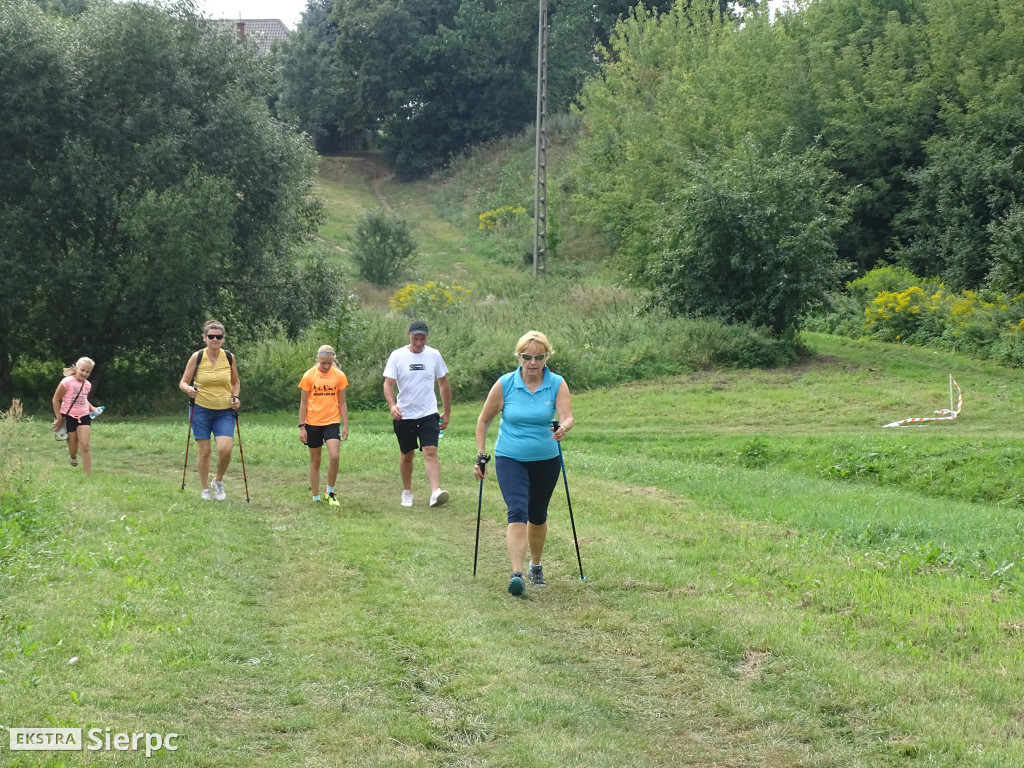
568, 501
479, 506
188, 440
481, 461
242, 454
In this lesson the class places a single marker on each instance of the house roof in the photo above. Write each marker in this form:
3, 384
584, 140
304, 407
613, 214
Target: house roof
266, 32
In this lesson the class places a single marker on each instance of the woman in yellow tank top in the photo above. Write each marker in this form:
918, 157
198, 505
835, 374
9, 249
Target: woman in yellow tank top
211, 380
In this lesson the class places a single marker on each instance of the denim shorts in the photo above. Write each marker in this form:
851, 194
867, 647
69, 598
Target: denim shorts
219, 422
527, 486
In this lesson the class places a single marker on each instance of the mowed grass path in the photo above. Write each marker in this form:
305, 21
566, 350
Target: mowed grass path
734, 613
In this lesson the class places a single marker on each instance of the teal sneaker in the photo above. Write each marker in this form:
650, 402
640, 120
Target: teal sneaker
516, 585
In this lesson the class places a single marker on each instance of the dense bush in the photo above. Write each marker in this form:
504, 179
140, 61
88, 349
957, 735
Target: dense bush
892, 304
886, 278
415, 300
382, 247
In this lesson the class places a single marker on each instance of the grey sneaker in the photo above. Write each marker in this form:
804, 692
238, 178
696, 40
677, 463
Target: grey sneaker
206, 495
218, 490
536, 574
516, 585
406, 498
439, 498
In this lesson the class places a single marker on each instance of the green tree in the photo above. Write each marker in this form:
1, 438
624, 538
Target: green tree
438, 76
749, 240
1008, 251
918, 104
467, 70
967, 186
675, 87
870, 70
148, 188
37, 97
64, 7
313, 82
972, 175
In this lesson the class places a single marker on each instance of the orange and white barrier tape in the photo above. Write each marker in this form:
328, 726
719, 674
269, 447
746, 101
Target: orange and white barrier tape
946, 414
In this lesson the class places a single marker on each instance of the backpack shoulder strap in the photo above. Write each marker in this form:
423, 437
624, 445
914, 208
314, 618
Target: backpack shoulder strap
199, 359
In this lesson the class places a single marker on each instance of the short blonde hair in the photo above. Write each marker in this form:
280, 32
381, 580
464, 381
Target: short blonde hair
537, 338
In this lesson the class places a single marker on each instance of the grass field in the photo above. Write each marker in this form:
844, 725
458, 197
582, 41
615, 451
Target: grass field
772, 579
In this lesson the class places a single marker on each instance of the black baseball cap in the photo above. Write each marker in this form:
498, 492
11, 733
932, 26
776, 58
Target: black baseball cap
418, 326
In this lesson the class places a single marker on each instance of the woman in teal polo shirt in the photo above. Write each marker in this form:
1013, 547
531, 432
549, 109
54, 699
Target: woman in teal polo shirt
527, 459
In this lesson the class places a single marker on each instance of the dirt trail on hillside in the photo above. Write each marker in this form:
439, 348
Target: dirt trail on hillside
361, 168
375, 185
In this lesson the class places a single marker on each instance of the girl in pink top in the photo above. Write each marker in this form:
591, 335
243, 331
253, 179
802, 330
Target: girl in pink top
71, 408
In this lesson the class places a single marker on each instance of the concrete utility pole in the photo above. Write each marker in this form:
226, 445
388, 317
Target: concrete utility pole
540, 184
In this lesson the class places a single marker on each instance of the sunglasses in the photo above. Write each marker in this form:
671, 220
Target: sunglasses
529, 358
215, 335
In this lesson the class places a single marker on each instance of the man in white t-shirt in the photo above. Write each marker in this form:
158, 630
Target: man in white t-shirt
414, 369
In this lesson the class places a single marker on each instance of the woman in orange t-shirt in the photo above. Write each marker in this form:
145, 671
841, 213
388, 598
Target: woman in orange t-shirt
323, 418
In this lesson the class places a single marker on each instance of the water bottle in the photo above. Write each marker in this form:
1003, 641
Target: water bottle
440, 432
96, 411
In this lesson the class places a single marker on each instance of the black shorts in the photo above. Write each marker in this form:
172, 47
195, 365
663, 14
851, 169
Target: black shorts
317, 436
71, 424
417, 433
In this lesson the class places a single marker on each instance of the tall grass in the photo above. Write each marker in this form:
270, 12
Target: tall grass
599, 337
27, 513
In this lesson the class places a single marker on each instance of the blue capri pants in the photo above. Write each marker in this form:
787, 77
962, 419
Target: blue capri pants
527, 486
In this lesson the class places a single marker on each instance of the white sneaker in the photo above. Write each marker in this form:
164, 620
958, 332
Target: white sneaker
406, 498
206, 494
218, 490
438, 498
